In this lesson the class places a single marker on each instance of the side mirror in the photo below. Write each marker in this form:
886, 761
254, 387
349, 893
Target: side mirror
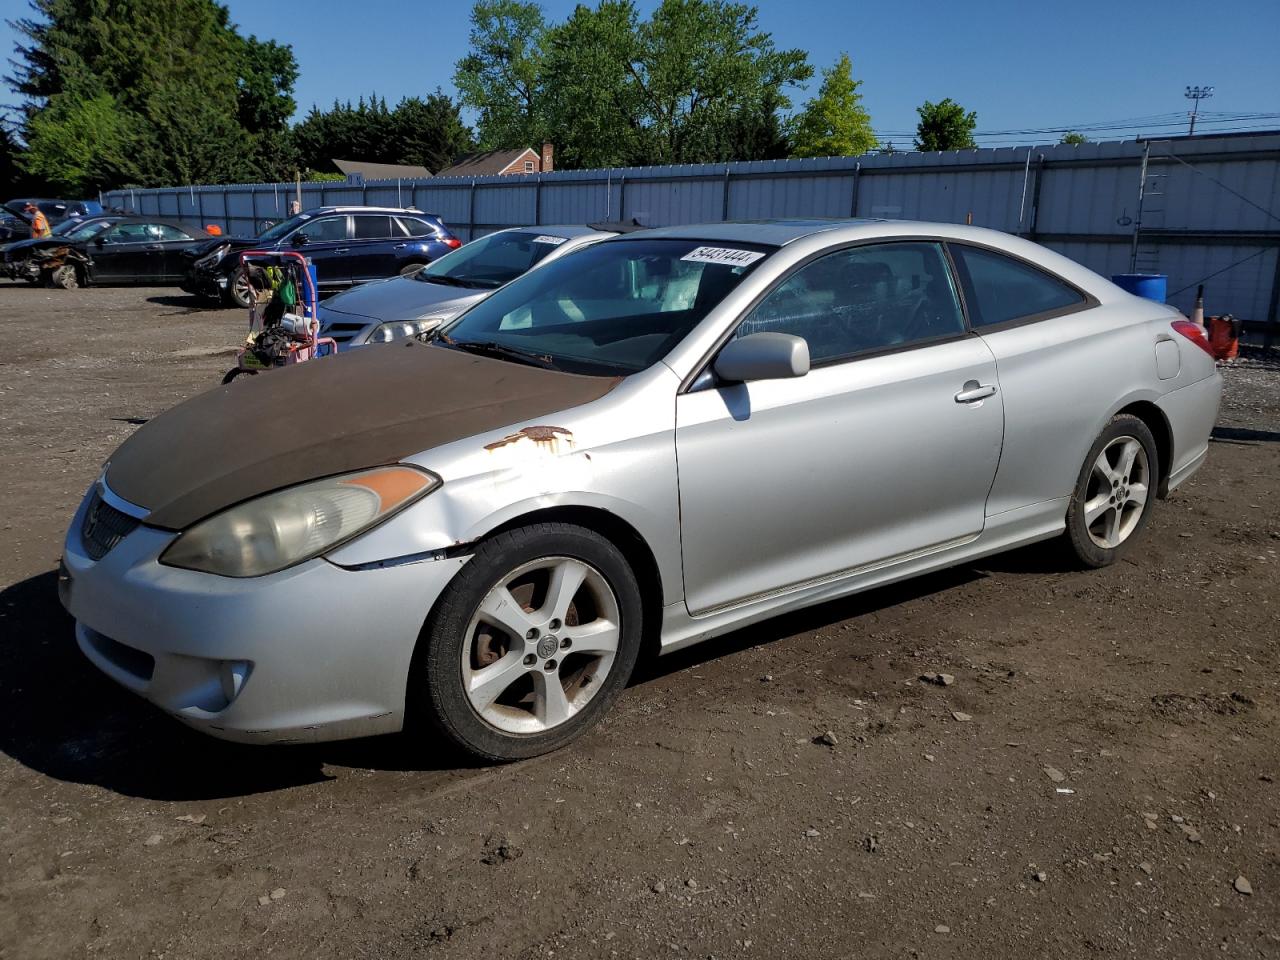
299, 240
99, 240
763, 356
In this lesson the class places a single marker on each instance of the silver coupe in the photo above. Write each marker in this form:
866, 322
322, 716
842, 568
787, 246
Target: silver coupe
661, 437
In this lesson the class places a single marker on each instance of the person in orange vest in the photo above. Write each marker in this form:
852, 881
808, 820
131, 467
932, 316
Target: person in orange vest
39, 222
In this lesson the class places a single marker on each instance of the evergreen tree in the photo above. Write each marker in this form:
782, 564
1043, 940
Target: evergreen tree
835, 123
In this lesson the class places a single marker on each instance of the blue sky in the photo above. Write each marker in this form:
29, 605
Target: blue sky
1020, 65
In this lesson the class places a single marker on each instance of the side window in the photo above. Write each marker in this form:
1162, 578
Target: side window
129, 233
862, 300
999, 288
372, 228
416, 228
163, 231
325, 229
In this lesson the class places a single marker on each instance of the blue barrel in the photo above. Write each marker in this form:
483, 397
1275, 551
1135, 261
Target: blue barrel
1152, 286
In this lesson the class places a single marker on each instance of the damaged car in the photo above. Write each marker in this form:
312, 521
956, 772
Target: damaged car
348, 246
106, 250
664, 437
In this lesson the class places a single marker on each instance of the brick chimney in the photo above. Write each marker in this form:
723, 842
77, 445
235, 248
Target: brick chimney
548, 158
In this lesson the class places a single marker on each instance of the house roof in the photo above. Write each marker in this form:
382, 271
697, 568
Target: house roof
381, 171
487, 164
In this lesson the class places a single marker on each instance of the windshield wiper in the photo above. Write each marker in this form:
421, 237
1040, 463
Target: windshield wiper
491, 348
442, 278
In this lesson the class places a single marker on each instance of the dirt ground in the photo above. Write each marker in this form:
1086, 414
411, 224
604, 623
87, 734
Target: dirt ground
1100, 772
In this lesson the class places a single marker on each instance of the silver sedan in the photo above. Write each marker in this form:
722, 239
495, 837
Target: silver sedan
663, 437
419, 302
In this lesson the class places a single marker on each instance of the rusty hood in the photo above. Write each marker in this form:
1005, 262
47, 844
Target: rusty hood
369, 407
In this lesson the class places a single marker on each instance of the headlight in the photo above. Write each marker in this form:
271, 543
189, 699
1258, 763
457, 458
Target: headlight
213, 257
281, 529
398, 329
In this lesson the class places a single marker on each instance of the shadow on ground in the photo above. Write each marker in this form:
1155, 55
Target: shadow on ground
1244, 435
66, 720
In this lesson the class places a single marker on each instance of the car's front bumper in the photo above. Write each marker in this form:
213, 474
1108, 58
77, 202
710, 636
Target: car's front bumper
316, 652
204, 282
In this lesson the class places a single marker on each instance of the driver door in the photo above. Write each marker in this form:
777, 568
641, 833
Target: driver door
325, 241
884, 451
120, 254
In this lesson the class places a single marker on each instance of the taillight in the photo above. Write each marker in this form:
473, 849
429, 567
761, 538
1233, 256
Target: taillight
453, 243
1194, 333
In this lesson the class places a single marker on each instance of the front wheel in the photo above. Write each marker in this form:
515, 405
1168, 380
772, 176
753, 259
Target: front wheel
530, 643
1114, 492
65, 276
239, 293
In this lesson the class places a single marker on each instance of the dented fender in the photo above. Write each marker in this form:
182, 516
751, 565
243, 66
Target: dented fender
586, 457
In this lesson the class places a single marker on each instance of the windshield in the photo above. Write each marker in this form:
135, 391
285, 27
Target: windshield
490, 261
611, 308
284, 226
79, 230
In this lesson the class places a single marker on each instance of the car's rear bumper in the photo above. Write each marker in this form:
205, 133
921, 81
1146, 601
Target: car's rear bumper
316, 652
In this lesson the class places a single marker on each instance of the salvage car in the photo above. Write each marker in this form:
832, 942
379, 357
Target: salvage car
663, 437
424, 299
14, 262
107, 250
348, 245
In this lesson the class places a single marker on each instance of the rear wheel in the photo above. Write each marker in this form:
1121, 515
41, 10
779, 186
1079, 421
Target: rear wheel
1114, 492
239, 293
531, 642
409, 269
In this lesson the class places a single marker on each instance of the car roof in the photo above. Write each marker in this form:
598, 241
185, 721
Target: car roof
774, 232
343, 208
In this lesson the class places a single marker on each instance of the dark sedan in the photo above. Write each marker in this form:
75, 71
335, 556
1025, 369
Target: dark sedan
107, 250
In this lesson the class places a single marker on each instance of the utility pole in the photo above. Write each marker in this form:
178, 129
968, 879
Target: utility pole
1195, 95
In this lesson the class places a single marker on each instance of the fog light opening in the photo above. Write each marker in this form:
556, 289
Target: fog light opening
233, 675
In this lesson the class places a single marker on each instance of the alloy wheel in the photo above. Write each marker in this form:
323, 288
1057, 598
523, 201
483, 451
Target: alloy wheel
1119, 485
540, 645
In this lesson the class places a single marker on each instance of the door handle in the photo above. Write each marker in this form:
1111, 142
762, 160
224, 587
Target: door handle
343, 250
973, 391
154, 246
399, 246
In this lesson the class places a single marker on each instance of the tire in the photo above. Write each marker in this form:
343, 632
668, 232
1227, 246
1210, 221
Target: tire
409, 269
516, 713
238, 292
1114, 493
66, 277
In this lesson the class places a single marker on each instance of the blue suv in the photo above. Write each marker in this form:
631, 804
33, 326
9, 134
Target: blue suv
348, 245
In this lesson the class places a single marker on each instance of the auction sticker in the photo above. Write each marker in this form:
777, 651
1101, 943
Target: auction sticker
554, 241
724, 255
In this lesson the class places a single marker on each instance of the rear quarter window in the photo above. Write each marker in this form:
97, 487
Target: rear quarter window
1000, 289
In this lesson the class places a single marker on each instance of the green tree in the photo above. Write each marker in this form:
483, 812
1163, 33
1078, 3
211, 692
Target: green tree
697, 81
1073, 138
945, 126
835, 123
429, 132
196, 101
81, 145
700, 66
501, 77
590, 106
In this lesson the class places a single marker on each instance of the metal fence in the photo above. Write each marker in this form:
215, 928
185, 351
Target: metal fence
1199, 209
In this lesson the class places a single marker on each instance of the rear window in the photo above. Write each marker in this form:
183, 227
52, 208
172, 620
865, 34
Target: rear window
413, 227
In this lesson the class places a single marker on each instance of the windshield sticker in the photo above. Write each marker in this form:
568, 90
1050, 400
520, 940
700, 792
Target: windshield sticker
723, 255
554, 241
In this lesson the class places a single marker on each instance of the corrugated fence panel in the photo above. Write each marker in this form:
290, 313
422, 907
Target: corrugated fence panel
1080, 200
